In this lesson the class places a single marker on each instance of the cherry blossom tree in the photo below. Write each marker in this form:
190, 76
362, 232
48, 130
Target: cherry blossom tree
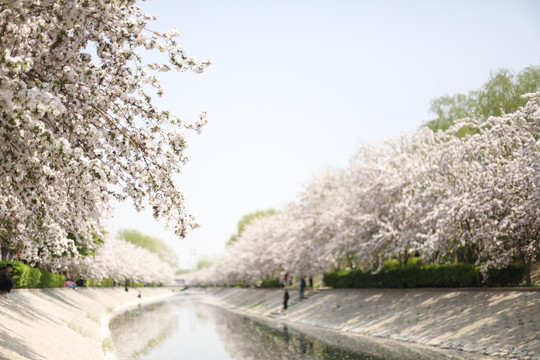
120, 260
502, 166
78, 125
441, 194
321, 236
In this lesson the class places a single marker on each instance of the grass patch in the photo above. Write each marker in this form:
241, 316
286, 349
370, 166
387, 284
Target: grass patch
107, 345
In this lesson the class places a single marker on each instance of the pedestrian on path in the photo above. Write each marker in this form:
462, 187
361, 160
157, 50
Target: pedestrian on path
302, 287
285, 299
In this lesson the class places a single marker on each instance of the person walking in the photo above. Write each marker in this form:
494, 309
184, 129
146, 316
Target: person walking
302, 287
285, 299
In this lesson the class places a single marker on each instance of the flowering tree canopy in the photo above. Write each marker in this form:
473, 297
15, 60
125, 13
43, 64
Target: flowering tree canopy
476, 196
120, 260
78, 126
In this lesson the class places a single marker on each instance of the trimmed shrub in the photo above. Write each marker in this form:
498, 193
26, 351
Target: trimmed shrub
512, 275
102, 283
25, 276
413, 276
49, 280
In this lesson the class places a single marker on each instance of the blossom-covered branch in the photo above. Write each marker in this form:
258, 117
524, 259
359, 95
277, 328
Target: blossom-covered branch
78, 125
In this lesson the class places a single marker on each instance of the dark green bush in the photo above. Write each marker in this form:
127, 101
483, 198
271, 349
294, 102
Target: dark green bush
330, 278
413, 276
270, 283
512, 275
49, 280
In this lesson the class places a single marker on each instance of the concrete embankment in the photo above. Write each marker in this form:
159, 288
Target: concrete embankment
501, 323
67, 324
63, 323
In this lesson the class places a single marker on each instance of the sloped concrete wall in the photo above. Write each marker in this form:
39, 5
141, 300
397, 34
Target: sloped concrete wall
497, 322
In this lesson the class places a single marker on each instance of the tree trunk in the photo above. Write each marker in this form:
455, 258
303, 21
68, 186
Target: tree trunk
7, 255
435, 259
527, 264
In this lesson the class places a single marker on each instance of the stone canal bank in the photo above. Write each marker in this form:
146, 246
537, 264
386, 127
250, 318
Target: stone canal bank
485, 323
64, 324
501, 323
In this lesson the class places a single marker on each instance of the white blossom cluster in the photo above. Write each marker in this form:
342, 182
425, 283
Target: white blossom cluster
120, 260
78, 126
425, 192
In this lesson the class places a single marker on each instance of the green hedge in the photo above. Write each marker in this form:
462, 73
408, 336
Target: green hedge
513, 275
25, 276
460, 275
102, 283
49, 280
271, 283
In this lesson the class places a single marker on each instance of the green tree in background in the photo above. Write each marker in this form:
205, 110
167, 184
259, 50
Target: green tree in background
501, 93
246, 220
205, 262
152, 244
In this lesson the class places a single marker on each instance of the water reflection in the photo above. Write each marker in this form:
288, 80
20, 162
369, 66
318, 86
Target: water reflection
169, 330
183, 329
137, 332
245, 339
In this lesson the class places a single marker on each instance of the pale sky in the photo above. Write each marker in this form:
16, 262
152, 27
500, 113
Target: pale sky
296, 86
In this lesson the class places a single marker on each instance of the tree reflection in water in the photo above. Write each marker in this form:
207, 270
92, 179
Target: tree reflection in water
245, 339
138, 331
185, 329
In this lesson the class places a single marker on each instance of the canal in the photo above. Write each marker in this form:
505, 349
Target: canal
184, 328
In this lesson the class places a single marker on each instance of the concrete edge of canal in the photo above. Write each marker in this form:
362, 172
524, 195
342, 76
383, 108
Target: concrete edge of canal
64, 324
484, 323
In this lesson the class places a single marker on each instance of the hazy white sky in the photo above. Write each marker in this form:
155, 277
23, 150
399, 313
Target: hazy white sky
296, 86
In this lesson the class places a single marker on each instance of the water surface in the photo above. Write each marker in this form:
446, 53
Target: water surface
183, 328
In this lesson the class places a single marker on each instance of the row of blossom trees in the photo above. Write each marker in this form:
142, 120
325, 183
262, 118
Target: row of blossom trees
79, 128
120, 260
476, 196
